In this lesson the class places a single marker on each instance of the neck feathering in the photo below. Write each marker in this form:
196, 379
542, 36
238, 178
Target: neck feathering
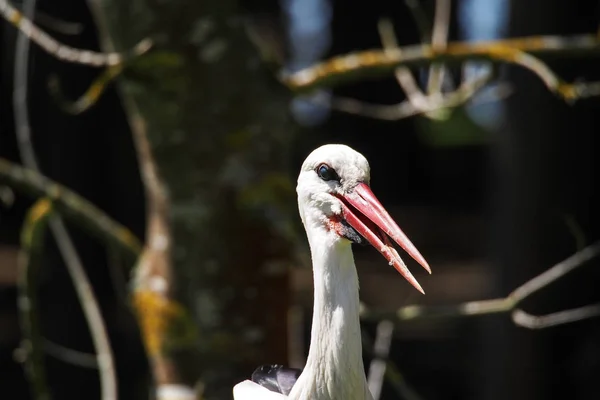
334, 367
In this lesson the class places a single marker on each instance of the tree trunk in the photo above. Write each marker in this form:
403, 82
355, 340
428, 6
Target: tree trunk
219, 132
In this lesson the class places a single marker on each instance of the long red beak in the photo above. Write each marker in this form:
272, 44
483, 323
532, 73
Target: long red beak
374, 223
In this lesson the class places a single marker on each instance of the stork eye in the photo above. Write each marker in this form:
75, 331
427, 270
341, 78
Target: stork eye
327, 173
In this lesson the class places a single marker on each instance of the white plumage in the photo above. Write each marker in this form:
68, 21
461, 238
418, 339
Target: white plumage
337, 208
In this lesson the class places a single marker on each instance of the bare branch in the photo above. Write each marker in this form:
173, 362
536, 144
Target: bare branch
523, 51
439, 40
64, 52
92, 313
91, 95
53, 23
469, 91
509, 303
527, 320
153, 283
71, 205
83, 288
421, 19
70, 356
558, 271
381, 350
58, 25
403, 75
32, 241
392, 373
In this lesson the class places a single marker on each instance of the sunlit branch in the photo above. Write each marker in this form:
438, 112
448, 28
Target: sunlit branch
62, 51
508, 304
524, 51
417, 102
32, 242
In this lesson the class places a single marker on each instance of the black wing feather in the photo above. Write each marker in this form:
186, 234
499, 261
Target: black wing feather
276, 378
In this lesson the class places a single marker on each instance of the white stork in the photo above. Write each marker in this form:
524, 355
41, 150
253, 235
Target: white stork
337, 208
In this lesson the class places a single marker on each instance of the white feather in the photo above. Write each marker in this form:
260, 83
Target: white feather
334, 368
248, 390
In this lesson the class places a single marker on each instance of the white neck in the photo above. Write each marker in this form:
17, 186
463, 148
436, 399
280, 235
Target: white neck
334, 367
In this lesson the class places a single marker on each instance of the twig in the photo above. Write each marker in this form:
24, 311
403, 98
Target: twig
421, 19
58, 25
91, 95
70, 356
509, 303
522, 51
403, 75
417, 103
439, 40
92, 313
433, 104
83, 288
62, 51
392, 373
32, 242
381, 352
527, 320
71, 205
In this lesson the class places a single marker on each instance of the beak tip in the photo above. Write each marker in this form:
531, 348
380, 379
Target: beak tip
418, 286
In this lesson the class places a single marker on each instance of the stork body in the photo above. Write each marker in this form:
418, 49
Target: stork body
337, 209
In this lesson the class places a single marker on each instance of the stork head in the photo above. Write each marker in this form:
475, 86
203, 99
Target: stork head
334, 196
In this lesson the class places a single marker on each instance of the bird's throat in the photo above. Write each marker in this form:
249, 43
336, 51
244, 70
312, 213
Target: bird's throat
334, 365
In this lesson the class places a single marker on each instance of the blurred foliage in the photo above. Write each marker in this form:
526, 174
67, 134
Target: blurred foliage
456, 130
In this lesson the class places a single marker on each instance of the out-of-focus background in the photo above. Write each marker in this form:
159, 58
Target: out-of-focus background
493, 191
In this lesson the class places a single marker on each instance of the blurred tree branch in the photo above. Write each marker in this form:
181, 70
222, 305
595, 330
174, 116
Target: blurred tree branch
381, 351
165, 323
31, 350
72, 260
70, 205
64, 52
509, 303
524, 51
468, 91
403, 75
439, 41
157, 316
53, 23
91, 95
70, 356
381, 362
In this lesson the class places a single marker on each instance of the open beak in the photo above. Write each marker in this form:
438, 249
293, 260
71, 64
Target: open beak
366, 215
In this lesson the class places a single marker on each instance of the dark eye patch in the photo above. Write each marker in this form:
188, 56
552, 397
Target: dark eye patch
327, 173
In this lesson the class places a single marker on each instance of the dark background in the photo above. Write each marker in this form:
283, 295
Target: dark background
506, 198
